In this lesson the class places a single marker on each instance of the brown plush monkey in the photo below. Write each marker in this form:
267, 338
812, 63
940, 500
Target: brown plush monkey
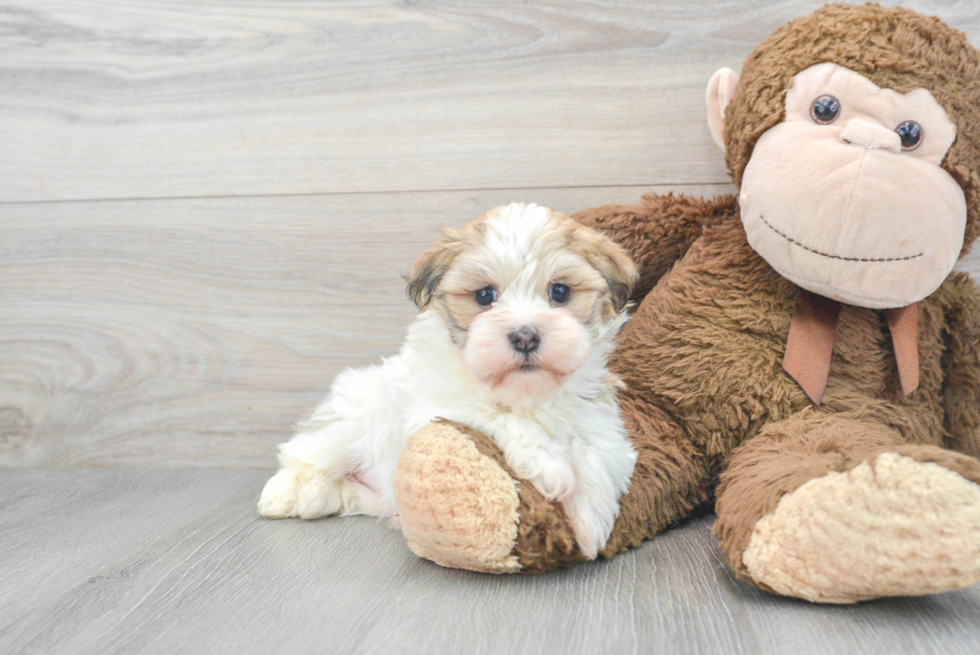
802, 354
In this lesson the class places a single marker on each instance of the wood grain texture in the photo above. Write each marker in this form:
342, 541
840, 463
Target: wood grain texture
196, 332
135, 99
180, 563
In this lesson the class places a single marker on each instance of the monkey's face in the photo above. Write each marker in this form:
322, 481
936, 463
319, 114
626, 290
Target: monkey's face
846, 196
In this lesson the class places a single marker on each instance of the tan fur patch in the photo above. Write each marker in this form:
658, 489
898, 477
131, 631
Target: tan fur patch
609, 259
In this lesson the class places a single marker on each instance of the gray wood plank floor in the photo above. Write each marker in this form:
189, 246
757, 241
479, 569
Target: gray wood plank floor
176, 561
205, 210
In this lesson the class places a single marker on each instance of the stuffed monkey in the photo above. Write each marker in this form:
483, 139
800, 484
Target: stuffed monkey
801, 355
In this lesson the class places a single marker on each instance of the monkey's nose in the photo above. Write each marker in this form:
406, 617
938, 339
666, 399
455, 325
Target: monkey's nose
525, 340
869, 135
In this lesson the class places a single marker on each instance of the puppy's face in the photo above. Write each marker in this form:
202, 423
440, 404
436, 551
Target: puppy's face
525, 292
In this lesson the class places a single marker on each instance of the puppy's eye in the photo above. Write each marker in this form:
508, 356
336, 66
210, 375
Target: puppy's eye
559, 294
485, 296
825, 109
911, 134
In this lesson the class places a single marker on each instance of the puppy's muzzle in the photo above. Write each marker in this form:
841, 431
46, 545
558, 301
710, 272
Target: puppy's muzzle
525, 340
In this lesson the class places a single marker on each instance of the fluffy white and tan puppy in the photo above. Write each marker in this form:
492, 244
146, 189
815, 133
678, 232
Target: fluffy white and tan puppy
519, 311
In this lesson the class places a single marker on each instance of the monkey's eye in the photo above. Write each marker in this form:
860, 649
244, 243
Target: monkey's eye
559, 294
485, 296
911, 134
825, 109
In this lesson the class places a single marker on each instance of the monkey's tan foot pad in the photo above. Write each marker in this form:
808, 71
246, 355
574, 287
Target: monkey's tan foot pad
892, 527
461, 507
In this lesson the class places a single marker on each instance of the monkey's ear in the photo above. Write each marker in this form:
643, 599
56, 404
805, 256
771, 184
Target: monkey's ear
720, 91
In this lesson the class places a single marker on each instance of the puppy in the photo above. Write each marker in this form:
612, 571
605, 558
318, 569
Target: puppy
519, 311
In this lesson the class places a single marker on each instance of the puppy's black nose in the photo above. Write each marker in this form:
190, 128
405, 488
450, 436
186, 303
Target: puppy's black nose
525, 340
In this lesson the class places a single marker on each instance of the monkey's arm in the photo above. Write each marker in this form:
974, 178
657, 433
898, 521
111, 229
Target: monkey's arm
657, 232
962, 365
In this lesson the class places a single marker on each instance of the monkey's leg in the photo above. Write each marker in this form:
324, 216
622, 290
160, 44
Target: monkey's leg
837, 510
460, 506
670, 481
961, 377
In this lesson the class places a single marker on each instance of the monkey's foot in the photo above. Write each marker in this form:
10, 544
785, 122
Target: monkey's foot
895, 526
461, 506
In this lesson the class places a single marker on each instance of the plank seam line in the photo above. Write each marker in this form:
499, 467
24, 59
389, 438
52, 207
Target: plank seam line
357, 193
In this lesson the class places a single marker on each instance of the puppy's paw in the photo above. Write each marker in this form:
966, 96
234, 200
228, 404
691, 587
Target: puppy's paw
589, 533
550, 474
304, 492
278, 499
591, 520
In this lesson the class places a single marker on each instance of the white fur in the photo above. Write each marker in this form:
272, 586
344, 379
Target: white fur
567, 439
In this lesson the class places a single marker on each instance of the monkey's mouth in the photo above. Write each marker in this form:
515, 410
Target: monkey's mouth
831, 256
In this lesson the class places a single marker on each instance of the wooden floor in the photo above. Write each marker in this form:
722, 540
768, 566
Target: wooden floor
107, 561
205, 213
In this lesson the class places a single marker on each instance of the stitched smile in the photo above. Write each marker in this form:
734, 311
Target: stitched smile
829, 256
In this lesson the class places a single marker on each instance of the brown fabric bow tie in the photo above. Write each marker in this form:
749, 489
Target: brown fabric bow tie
811, 342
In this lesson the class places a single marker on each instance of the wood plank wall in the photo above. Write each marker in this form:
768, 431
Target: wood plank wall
206, 207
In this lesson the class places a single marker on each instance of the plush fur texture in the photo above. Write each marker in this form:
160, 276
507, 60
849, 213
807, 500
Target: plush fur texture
891, 514
711, 411
527, 368
434, 467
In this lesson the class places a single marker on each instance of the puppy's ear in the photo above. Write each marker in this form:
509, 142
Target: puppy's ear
610, 260
424, 274
620, 272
